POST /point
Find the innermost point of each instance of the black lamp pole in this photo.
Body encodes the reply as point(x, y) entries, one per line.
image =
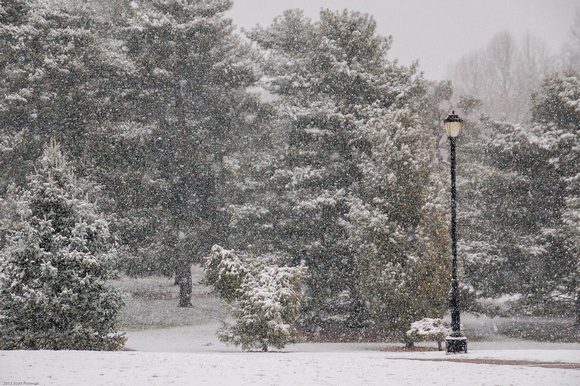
point(456, 342)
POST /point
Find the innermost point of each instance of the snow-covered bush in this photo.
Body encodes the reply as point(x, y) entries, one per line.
point(225, 272)
point(53, 267)
point(427, 329)
point(265, 299)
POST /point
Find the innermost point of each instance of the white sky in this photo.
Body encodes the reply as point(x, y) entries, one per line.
point(437, 32)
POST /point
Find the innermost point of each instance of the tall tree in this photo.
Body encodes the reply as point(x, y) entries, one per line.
point(519, 226)
point(333, 88)
point(54, 265)
point(556, 113)
point(397, 222)
point(190, 89)
point(505, 205)
point(52, 82)
point(571, 49)
point(503, 74)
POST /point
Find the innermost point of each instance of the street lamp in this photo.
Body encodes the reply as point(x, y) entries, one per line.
point(455, 342)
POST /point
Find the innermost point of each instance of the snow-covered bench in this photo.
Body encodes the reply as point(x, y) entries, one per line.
point(427, 329)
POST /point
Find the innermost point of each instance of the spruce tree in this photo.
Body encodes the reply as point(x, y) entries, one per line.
point(53, 267)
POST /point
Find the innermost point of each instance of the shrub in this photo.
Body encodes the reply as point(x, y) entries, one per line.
point(265, 299)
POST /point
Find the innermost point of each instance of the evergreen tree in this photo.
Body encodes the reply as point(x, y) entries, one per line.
point(225, 271)
point(503, 206)
point(335, 92)
point(265, 298)
point(519, 227)
point(190, 92)
point(302, 201)
point(397, 221)
point(63, 75)
point(54, 265)
point(556, 113)
point(53, 82)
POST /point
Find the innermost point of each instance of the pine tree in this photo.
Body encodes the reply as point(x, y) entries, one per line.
point(225, 271)
point(265, 298)
point(335, 92)
point(54, 82)
point(519, 228)
point(503, 206)
point(301, 182)
point(397, 221)
point(53, 267)
point(556, 113)
point(190, 92)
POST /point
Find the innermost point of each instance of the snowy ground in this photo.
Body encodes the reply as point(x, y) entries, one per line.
point(179, 346)
point(202, 338)
point(192, 355)
point(322, 365)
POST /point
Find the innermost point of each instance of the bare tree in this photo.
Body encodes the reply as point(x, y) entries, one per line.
point(502, 74)
point(571, 50)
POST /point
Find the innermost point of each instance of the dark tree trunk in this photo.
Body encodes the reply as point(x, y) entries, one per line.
point(177, 276)
point(185, 282)
point(577, 303)
point(264, 347)
point(183, 271)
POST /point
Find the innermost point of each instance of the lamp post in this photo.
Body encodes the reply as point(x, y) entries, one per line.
point(456, 342)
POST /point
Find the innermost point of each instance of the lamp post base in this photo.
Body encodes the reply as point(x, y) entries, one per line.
point(456, 344)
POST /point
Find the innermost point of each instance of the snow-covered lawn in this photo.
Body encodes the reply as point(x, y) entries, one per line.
point(341, 367)
point(202, 338)
point(192, 355)
point(189, 353)
point(151, 302)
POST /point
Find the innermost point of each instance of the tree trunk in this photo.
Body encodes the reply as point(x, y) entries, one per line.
point(264, 347)
point(577, 311)
point(177, 276)
point(183, 271)
point(185, 282)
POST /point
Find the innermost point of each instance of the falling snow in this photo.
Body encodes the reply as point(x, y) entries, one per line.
point(165, 172)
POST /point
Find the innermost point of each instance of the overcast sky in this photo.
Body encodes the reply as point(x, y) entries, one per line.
point(437, 32)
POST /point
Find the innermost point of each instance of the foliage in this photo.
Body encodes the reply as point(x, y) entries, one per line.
point(186, 102)
point(265, 298)
point(54, 265)
point(556, 112)
point(346, 118)
point(225, 272)
point(52, 82)
point(397, 222)
point(519, 224)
